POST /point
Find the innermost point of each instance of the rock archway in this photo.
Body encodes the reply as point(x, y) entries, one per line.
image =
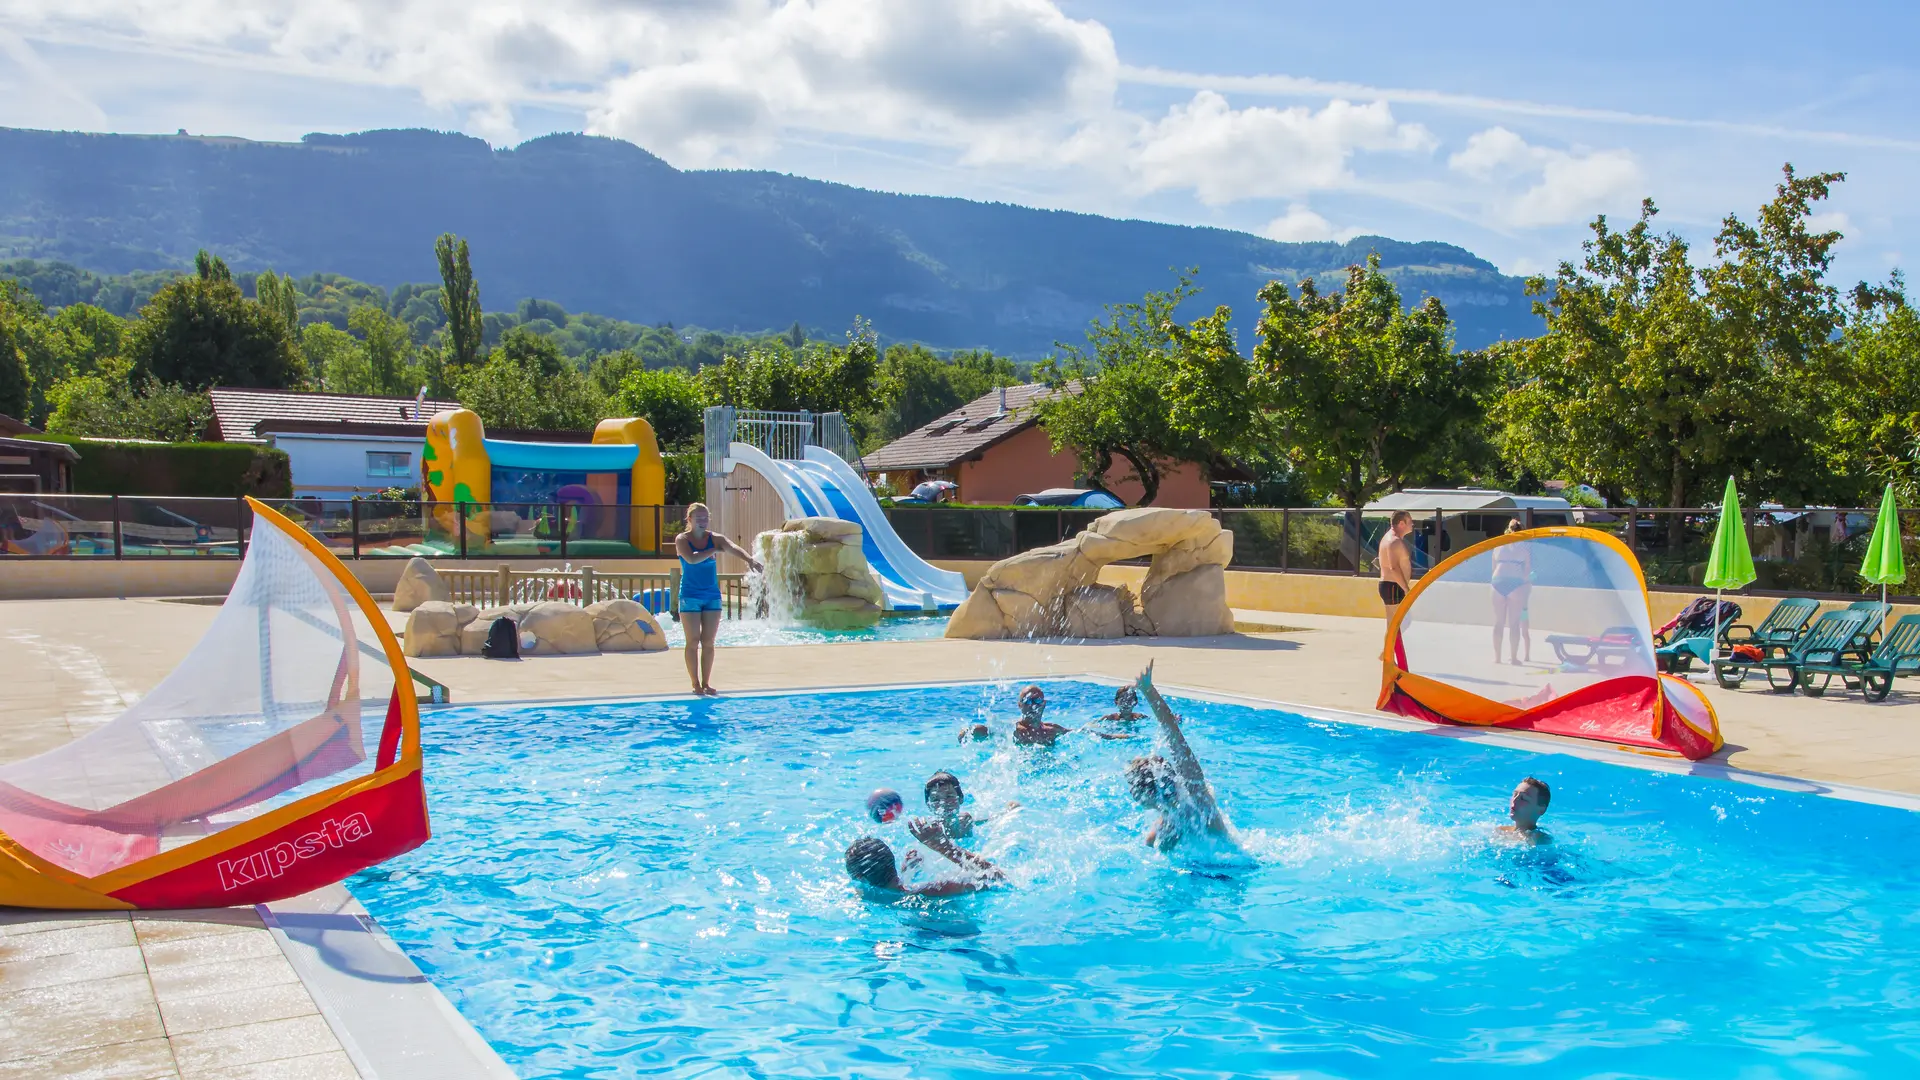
point(1055, 591)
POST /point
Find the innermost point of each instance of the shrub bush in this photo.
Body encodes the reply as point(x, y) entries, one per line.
point(198, 469)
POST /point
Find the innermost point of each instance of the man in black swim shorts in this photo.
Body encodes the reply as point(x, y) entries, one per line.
point(1396, 561)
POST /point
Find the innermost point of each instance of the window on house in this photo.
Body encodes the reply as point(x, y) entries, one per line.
point(383, 464)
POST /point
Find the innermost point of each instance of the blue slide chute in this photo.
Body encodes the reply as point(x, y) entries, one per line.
point(824, 485)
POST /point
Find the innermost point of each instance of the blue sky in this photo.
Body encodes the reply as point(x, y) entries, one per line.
point(1499, 127)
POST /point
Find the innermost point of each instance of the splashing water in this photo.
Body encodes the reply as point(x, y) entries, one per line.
point(774, 594)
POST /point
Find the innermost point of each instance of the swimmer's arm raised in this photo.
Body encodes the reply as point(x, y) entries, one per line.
point(1185, 763)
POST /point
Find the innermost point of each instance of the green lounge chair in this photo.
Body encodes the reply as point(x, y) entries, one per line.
point(1877, 613)
point(1685, 646)
point(1779, 630)
point(1898, 654)
point(1831, 641)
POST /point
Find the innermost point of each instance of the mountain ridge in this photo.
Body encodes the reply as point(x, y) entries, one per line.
point(602, 225)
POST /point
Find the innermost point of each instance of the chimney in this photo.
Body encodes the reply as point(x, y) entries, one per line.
point(1003, 403)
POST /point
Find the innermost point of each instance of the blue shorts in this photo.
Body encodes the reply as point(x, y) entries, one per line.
point(699, 603)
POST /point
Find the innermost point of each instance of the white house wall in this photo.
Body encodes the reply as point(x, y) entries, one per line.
point(335, 466)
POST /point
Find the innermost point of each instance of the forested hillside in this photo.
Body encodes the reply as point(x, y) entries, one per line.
point(600, 225)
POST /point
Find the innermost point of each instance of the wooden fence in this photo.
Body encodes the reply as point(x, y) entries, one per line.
point(506, 585)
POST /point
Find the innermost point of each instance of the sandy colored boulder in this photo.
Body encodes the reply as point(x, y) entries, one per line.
point(473, 633)
point(1193, 604)
point(625, 626)
point(419, 583)
point(433, 628)
point(825, 586)
point(823, 528)
point(558, 630)
point(1055, 592)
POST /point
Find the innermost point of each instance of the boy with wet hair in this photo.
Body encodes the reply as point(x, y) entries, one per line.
point(1123, 715)
point(870, 862)
point(1033, 729)
point(944, 797)
point(1528, 804)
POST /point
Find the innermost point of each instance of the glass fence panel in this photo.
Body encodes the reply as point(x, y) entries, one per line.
point(1673, 544)
point(1322, 540)
point(329, 521)
point(1258, 536)
point(1814, 550)
point(394, 528)
point(56, 526)
point(1075, 522)
point(166, 527)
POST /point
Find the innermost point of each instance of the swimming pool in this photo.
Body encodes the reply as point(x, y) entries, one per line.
point(657, 888)
point(768, 632)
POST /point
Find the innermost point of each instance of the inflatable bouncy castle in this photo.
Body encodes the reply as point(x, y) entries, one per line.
point(1543, 630)
point(611, 488)
point(248, 774)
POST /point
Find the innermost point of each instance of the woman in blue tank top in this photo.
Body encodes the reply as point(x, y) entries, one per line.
point(700, 592)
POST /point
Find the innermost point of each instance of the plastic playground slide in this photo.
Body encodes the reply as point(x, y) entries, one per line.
point(824, 485)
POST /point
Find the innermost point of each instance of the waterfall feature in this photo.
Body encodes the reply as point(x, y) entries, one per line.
point(778, 593)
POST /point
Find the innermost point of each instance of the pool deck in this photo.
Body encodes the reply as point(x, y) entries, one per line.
point(211, 994)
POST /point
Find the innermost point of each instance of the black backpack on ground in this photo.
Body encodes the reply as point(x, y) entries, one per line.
point(503, 640)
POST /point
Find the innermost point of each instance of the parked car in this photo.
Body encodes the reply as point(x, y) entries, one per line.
point(1089, 498)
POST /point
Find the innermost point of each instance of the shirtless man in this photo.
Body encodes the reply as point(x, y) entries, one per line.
point(1396, 562)
point(870, 862)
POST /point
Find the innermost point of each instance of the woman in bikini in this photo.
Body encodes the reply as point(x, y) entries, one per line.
point(1512, 582)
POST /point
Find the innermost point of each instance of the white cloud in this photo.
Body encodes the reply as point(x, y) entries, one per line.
point(1226, 154)
point(33, 94)
point(1301, 224)
point(1561, 186)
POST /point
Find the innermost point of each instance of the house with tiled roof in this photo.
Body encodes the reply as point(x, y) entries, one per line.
point(994, 448)
point(339, 445)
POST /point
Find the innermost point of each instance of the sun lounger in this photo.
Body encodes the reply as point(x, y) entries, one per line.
point(1898, 654)
point(1876, 617)
point(1831, 641)
point(1779, 630)
point(1686, 645)
point(1611, 648)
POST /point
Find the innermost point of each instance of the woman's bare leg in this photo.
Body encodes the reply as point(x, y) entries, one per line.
point(1500, 620)
point(709, 629)
point(690, 628)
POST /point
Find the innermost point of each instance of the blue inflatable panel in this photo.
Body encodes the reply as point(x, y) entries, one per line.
point(562, 457)
point(657, 601)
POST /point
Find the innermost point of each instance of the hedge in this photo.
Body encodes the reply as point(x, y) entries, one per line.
point(203, 469)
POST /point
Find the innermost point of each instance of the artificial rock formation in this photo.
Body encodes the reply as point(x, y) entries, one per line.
point(418, 584)
point(1055, 591)
point(438, 628)
point(816, 571)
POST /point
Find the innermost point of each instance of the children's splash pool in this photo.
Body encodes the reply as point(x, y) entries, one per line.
point(657, 889)
point(770, 632)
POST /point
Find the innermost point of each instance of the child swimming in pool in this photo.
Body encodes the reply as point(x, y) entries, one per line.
point(870, 862)
point(1123, 715)
point(1175, 784)
point(1529, 803)
point(944, 797)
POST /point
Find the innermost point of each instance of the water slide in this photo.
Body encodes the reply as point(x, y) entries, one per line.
point(823, 485)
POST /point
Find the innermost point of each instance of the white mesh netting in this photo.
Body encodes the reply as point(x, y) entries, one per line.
point(1531, 620)
point(266, 707)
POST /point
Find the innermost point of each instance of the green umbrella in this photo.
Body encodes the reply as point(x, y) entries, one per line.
point(1885, 564)
point(1731, 564)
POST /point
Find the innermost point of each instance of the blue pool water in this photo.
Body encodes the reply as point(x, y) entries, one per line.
point(657, 889)
point(766, 632)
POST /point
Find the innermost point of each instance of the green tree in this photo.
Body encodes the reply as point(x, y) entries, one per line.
point(526, 383)
point(670, 400)
point(1365, 391)
point(337, 360)
point(388, 347)
point(1115, 399)
point(820, 378)
point(278, 295)
point(1876, 423)
point(200, 332)
point(211, 267)
point(459, 300)
point(20, 316)
point(1655, 380)
point(106, 404)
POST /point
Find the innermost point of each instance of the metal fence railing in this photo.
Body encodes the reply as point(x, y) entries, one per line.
point(1813, 550)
